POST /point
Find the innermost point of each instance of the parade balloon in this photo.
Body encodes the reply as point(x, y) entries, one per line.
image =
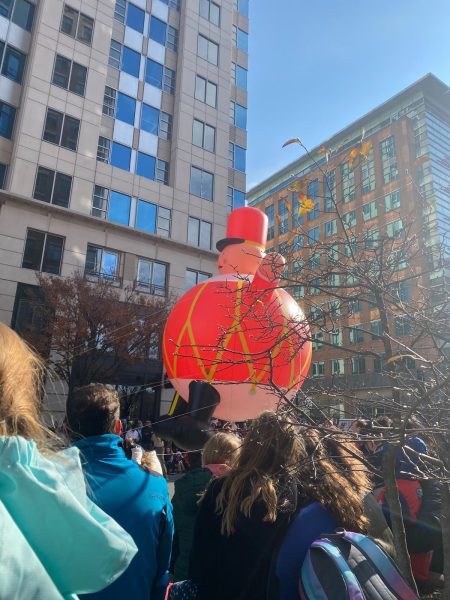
point(239, 331)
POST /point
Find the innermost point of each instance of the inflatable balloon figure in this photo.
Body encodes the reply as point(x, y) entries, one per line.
point(232, 341)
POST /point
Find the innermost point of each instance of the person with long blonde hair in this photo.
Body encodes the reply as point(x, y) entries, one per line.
point(54, 542)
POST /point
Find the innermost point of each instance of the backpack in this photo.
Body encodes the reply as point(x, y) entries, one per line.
point(350, 566)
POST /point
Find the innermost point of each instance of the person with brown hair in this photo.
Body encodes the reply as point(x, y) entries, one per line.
point(244, 513)
point(333, 485)
point(219, 455)
point(137, 500)
point(54, 541)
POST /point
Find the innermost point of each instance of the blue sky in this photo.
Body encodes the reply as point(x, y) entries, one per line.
point(317, 65)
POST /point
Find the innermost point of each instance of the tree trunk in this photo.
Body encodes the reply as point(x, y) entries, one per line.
point(445, 522)
point(395, 510)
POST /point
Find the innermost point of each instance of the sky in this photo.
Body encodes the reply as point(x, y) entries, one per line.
point(316, 66)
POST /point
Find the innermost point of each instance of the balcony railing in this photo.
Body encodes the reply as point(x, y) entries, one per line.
point(150, 288)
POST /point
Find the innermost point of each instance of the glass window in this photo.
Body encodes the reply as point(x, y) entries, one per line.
point(43, 186)
point(115, 54)
point(101, 262)
point(165, 125)
point(154, 73)
point(69, 136)
point(7, 115)
point(77, 25)
point(119, 208)
point(388, 160)
point(135, 18)
point(131, 61)
point(78, 76)
point(158, 30)
point(318, 369)
point(150, 119)
point(62, 189)
point(109, 101)
point(349, 219)
point(164, 221)
point(23, 14)
point(270, 212)
point(356, 335)
point(43, 252)
point(13, 64)
point(146, 165)
point(85, 29)
point(120, 156)
point(100, 201)
point(34, 249)
point(199, 233)
point(103, 149)
point(241, 77)
point(337, 366)
point(208, 50)
point(336, 337)
point(394, 229)
point(69, 21)
point(348, 182)
point(120, 10)
point(368, 174)
point(370, 210)
point(168, 83)
point(146, 216)
point(203, 135)
point(329, 191)
point(313, 194)
point(61, 72)
point(238, 199)
point(195, 277)
point(205, 91)
point(172, 38)
point(53, 126)
point(331, 228)
point(313, 235)
point(202, 184)
point(151, 277)
point(242, 40)
point(3, 170)
point(239, 158)
point(61, 129)
point(162, 171)
point(392, 201)
point(126, 108)
point(358, 365)
point(240, 116)
point(210, 11)
point(243, 7)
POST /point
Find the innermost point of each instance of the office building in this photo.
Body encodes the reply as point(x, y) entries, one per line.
point(122, 143)
point(389, 168)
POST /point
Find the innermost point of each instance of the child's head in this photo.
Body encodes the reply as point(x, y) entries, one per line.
point(221, 449)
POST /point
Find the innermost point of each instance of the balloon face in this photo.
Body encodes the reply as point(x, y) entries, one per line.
point(239, 258)
point(244, 343)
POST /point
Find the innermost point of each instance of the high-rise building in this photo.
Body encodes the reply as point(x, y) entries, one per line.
point(122, 141)
point(389, 168)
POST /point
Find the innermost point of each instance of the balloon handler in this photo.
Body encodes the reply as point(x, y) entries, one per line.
point(232, 341)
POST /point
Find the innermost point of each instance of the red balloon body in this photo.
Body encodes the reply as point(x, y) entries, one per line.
point(245, 343)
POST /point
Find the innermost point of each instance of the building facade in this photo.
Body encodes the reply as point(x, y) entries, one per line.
point(122, 141)
point(389, 175)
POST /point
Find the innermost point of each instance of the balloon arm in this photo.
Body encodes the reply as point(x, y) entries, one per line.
point(269, 273)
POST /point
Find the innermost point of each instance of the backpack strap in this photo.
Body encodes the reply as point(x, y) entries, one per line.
point(382, 562)
point(311, 584)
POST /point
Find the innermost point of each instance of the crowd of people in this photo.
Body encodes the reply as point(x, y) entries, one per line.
point(94, 518)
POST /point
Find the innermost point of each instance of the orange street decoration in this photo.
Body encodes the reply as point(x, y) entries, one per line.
point(238, 330)
point(305, 204)
point(366, 147)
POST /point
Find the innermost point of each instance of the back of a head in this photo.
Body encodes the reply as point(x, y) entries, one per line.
point(92, 410)
point(221, 449)
point(21, 376)
point(272, 445)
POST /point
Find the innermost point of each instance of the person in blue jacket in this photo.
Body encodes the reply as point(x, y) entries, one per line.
point(137, 500)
